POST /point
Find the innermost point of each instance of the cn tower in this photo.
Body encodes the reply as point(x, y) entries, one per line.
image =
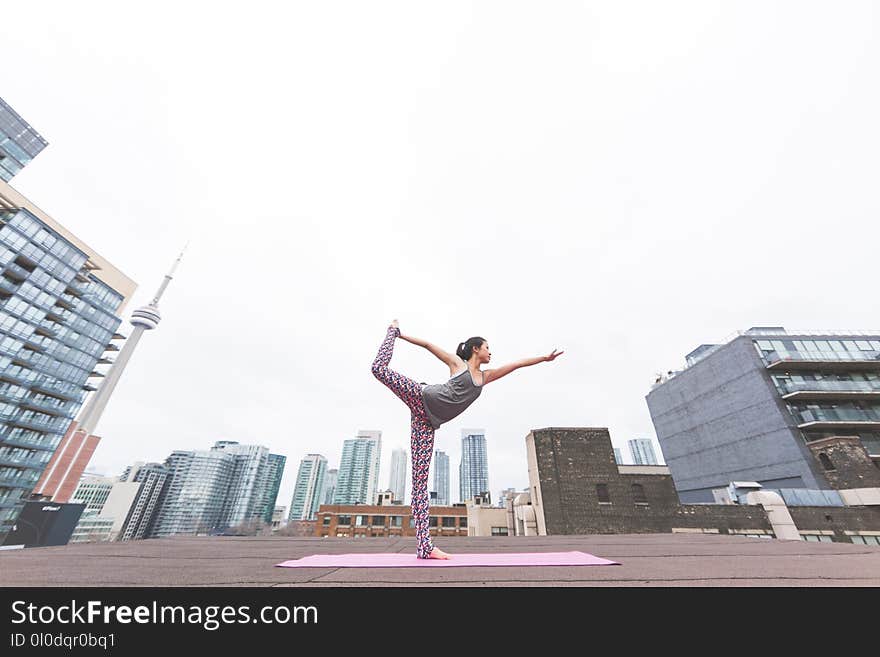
point(61, 476)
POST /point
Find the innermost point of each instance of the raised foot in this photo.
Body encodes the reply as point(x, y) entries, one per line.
point(437, 553)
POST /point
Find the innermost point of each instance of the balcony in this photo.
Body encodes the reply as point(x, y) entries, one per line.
point(73, 290)
point(819, 390)
point(59, 315)
point(28, 462)
point(19, 376)
point(30, 443)
point(16, 272)
point(65, 301)
point(831, 361)
point(17, 482)
point(7, 285)
point(38, 343)
point(68, 392)
point(49, 426)
point(851, 419)
point(45, 406)
point(47, 329)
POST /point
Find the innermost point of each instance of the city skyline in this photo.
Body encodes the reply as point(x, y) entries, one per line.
point(642, 175)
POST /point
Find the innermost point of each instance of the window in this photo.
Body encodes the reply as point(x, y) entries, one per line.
point(396, 521)
point(326, 520)
point(344, 520)
point(432, 521)
point(602, 493)
point(816, 538)
point(866, 540)
point(378, 521)
point(638, 492)
point(412, 522)
point(449, 522)
point(826, 462)
point(359, 521)
point(499, 531)
point(462, 522)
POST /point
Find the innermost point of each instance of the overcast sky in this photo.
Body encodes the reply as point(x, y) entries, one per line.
point(621, 180)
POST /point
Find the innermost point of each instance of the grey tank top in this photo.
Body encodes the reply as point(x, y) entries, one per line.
point(445, 401)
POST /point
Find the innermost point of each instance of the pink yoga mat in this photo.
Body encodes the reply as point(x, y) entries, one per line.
point(409, 560)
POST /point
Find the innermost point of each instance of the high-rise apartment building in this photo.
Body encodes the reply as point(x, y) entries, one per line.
point(642, 451)
point(59, 314)
point(19, 143)
point(359, 469)
point(473, 472)
point(765, 406)
point(246, 501)
point(93, 491)
point(329, 490)
point(441, 477)
point(144, 510)
point(397, 480)
point(273, 484)
point(307, 491)
point(198, 486)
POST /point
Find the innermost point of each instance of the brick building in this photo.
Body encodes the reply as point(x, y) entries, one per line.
point(577, 487)
point(366, 521)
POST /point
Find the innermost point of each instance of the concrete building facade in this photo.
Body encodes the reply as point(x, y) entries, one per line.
point(751, 408)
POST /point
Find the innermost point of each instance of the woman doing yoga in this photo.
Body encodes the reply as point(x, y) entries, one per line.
point(433, 405)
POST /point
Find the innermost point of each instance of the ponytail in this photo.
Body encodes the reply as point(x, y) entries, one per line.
point(466, 349)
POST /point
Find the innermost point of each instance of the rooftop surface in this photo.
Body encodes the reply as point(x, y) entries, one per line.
point(646, 560)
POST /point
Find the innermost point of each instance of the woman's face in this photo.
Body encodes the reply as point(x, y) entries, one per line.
point(483, 354)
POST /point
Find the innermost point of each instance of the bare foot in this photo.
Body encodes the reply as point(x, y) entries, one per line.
point(437, 553)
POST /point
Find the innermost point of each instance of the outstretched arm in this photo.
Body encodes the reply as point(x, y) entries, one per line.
point(492, 375)
point(449, 359)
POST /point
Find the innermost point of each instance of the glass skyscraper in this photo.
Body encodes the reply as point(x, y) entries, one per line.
point(57, 320)
point(59, 313)
point(473, 473)
point(441, 477)
point(273, 483)
point(359, 470)
point(210, 490)
point(642, 451)
point(329, 490)
point(397, 482)
point(19, 143)
point(307, 491)
point(195, 500)
point(247, 495)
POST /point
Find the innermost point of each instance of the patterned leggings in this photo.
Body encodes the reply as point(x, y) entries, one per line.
point(421, 441)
